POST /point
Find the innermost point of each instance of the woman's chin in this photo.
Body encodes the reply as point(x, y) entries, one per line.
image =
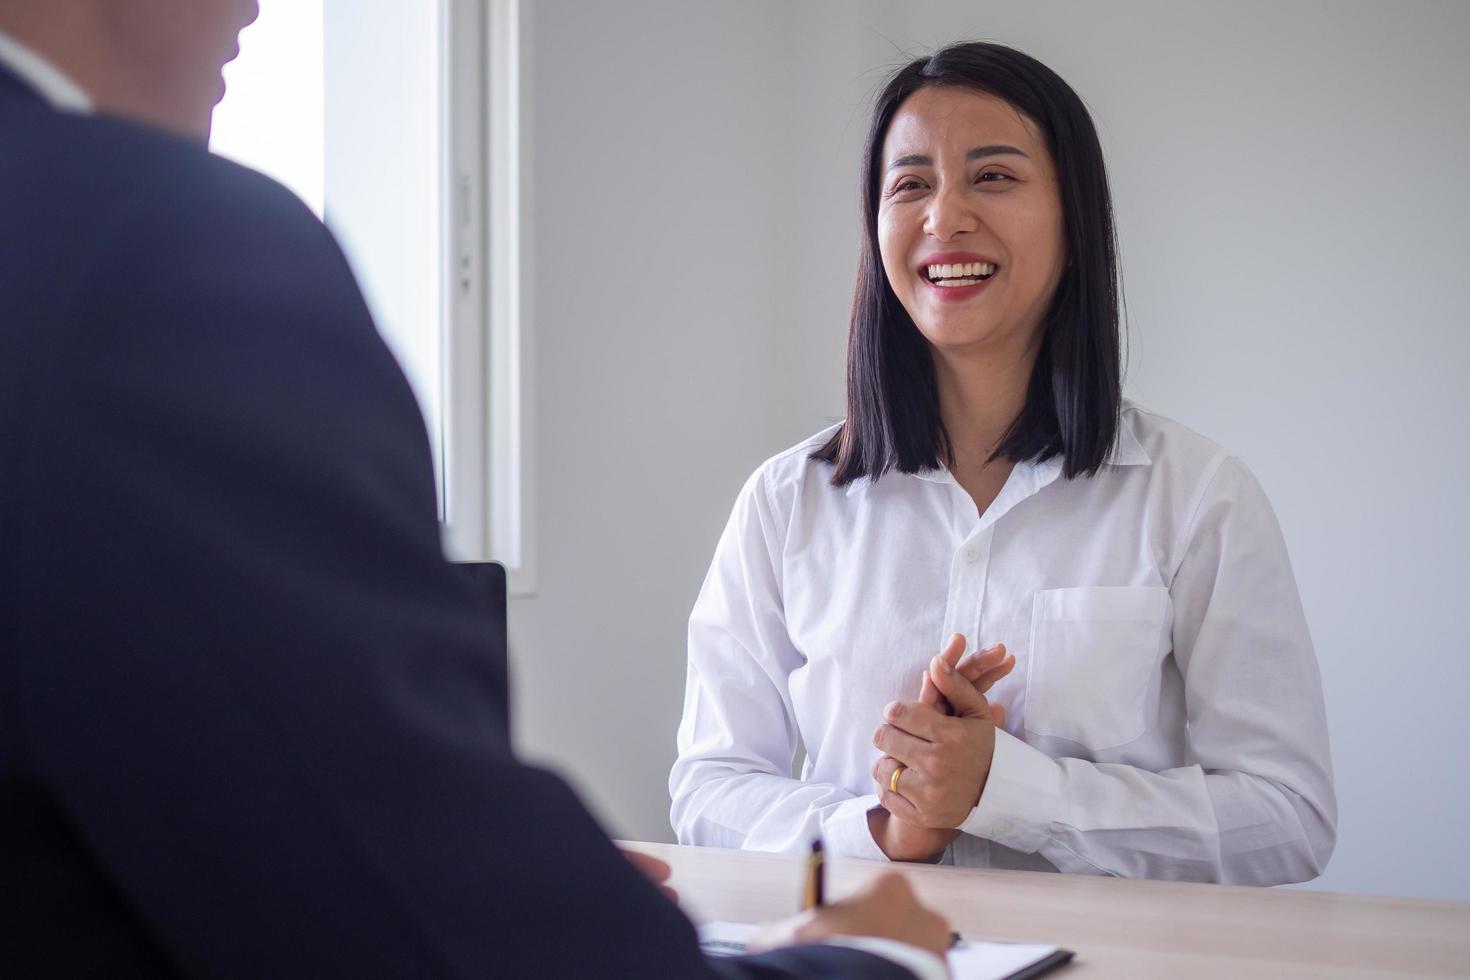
point(948, 336)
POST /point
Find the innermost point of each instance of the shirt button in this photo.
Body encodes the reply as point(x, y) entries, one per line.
point(972, 556)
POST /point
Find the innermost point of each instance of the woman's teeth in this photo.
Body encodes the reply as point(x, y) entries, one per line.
point(960, 274)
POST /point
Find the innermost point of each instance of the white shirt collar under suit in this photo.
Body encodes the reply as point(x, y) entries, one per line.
point(49, 81)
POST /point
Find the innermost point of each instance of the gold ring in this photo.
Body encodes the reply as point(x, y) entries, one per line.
point(893, 783)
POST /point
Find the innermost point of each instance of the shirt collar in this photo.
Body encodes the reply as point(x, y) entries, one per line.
point(1126, 451)
point(40, 74)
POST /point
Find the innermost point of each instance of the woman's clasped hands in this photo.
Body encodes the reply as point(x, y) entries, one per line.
point(941, 747)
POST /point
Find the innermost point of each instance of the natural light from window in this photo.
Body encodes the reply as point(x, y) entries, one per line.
point(340, 101)
point(365, 108)
point(272, 117)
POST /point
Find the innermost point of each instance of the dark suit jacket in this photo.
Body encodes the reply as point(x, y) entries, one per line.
point(248, 724)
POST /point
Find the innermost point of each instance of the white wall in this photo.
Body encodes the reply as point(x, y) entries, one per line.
point(655, 188)
point(1289, 182)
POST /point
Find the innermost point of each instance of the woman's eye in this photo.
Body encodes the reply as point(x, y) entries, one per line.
point(992, 177)
point(908, 184)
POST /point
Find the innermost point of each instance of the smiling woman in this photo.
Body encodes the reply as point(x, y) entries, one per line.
point(944, 158)
point(1126, 684)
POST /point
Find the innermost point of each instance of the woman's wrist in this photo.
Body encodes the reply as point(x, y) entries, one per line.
point(907, 842)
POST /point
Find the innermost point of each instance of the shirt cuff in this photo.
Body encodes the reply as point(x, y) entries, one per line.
point(920, 962)
point(1022, 798)
point(845, 831)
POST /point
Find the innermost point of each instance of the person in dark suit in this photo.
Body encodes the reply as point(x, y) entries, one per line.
point(248, 722)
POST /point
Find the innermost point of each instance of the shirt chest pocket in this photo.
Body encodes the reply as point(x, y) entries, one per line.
point(1094, 652)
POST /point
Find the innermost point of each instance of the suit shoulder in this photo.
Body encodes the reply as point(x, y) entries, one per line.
point(137, 188)
point(149, 250)
point(102, 156)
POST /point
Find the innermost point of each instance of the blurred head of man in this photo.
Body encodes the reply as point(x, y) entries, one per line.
point(159, 61)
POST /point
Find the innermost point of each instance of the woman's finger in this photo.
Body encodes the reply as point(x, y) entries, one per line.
point(988, 679)
point(914, 785)
point(900, 745)
point(968, 702)
point(883, 769)
point(925, 721)
point(896, 803)
point(899, 807)
point(998, 713)
point(981, 658)
point(975, 664)
point(929, 694)
point(953, 651)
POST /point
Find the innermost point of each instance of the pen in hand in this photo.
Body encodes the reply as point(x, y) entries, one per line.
point(812, 895)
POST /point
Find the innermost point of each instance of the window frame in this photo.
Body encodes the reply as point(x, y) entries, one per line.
point(487, 499)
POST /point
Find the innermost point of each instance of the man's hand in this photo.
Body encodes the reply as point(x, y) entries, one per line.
point(655, 871)
point(946, 758)
point(886, 908)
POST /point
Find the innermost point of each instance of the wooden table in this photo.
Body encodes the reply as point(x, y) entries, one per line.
point(1117, 927)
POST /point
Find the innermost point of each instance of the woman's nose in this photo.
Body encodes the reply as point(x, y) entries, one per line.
point(950, 214)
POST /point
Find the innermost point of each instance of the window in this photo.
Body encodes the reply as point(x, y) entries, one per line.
point(399, 125)
point(271, 117)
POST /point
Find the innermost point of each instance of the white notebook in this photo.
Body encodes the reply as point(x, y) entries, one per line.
point(967, 960)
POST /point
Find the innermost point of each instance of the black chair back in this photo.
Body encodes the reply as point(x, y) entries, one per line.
point(487, 578)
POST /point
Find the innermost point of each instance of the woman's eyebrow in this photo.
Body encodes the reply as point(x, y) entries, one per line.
point(920, 160)
point(995, 149)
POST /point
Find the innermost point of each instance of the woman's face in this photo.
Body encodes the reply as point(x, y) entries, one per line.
point(970, 220)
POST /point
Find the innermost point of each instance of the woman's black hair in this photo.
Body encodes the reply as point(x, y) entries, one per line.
point(1075, 393)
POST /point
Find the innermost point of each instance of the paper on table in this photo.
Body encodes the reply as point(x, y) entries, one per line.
point(967, 961)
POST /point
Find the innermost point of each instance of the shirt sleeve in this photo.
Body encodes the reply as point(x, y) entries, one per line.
point(920, 962)
point(1255, 804)
point(731, 784)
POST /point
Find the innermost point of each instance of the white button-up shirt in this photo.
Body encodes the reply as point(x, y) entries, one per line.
point(1165, 716)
